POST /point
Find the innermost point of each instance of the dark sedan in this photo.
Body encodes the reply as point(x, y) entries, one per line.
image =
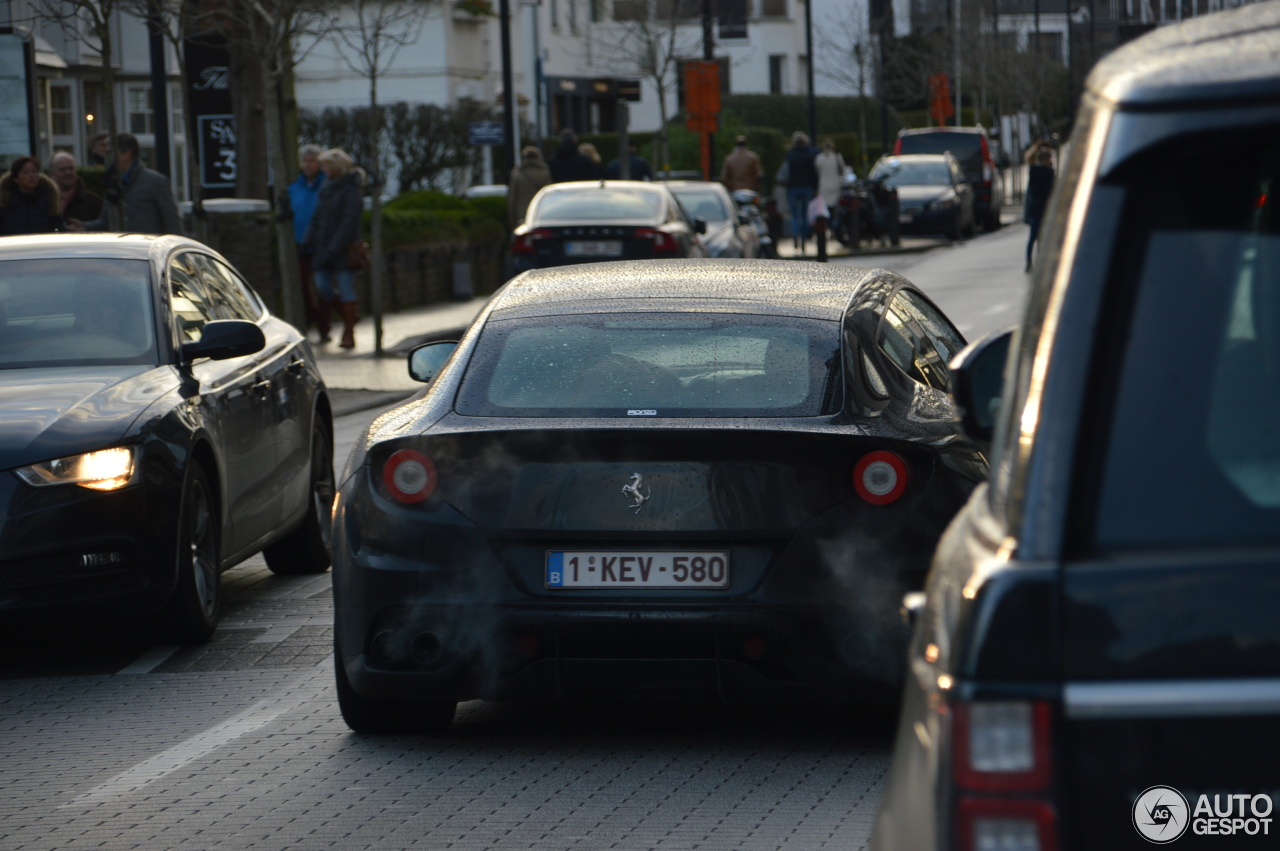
point(1096, 661)
point(730, 233)
point(157, 426)
point(591, 221)
point(933, 196)
point(655, 480)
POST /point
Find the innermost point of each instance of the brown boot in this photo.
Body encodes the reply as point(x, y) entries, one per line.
point(324, 309)
point(348, 325)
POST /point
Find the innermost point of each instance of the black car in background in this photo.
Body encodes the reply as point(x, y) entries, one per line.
point(730, 232)
point(157, 426)
point(659, 480)
point(972, 149)
point(1096, 662)
point(933, 197)
point(591, 221)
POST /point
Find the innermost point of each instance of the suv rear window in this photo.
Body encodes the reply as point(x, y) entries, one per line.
point(668, 365)
point(965, 147)
point(1194, 451)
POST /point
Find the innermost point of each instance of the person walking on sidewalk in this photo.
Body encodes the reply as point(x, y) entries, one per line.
point(142, 197)
point(741, 169)
point(304, 192)
point(568, 163)
point(28, 200)
point(335, 225)
point(77, 201)
point(526, 179)
point(802, 180)
point(1039, 186)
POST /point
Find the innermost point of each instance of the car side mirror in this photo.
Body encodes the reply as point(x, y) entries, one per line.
point(976, 384)
point(225, 338)
point(699, 226)
point(426, 361)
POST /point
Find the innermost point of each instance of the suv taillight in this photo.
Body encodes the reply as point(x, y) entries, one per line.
point(524, 244)
point(1001, 766)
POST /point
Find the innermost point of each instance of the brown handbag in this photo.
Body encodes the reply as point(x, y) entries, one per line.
point(358, 257)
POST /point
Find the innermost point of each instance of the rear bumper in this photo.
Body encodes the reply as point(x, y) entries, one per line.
point(565, 654)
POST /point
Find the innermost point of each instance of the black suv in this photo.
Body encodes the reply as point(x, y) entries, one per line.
point(972, 149)
point(1096, 661)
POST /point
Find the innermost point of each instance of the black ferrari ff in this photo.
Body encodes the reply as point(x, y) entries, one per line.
point(157, 426)
point(657, 480)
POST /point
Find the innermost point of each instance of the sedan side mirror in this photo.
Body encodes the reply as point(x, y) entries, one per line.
point(699, 226)
point(426, 361)
point(225, 338)
point(977, 381)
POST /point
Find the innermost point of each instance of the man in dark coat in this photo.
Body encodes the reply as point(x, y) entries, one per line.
point(639, 168)
point(569, 163)
point(77, 202)
point(146, 195)
point(1039, 187)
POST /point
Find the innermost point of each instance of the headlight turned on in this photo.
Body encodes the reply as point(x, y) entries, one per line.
point(104, 470)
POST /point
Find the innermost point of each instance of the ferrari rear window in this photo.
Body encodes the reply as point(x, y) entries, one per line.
point(665, 365)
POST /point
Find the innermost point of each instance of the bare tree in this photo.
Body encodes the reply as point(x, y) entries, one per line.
point(846, 54)
point(648, 38)
point(273, 31)
point(89, 21)
point(368, 41)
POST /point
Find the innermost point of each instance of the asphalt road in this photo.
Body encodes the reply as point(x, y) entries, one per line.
point(110, 742)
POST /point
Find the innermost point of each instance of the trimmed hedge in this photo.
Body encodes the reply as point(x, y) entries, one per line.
point(429, 217)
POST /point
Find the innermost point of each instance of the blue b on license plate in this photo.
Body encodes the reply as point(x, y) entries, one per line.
point(637, 569)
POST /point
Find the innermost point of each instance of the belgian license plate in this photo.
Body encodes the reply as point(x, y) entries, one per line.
point(637, 569)
point(598, 248)
point(906, 218)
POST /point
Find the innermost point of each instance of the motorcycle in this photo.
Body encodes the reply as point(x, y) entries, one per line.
point(748, 204)
point(868, 209)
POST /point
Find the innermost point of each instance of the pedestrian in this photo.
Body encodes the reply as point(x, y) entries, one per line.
point(741, 169)
point(639, 167)
point(589, 151)
point(1039, 186)
point(568, 163)
point(146, 196)
point(77, 202)
point(303, 194)
point(526, 179)
point(802, 180)
point(830, 167)
point(99, 149)
point(28, 200)
point(335, 225)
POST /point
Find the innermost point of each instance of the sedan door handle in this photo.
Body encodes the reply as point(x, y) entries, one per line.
point(263, 386)
point(297, 367)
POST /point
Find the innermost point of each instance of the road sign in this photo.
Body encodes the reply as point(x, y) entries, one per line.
point(485, 133)
point(940, 98)
point(702, 96)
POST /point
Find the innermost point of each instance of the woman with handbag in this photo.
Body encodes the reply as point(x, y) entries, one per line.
point(334, 240)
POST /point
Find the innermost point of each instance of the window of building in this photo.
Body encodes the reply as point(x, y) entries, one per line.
point(678, 10)
point(555, 14)
point(596, 10)
point(777, 69)
point(1048, 45)
point(773, 8)
point(138, 106)
point(630, 10)
point(61, 113)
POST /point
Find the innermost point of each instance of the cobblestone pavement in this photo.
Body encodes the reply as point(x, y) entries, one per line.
point(109, 742)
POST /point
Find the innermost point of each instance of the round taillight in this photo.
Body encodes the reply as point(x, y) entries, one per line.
point(409, 476)
point(880, 477)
